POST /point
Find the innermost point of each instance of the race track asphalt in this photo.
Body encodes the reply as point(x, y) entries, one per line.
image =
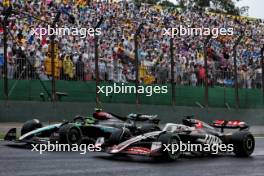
point(18, 161)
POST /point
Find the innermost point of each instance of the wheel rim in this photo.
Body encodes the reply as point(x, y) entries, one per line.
point(249, 144)
point(74, 136)
point(176, 154)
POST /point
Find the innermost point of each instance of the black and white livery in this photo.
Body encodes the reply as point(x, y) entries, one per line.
point(191, 131)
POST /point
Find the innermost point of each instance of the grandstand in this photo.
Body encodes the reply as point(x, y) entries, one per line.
point(29, 55)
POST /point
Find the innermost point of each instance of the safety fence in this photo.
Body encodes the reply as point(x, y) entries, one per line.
point(81, 91)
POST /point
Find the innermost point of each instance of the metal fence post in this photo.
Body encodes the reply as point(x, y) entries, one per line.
point(235, 71)
point(96, 64)
point(262, 70)
point(53, 82)
point(136, 61)
point(235, 78)
point(96, 70)
point(172, 72)
point(7, 12)
point(206, 96)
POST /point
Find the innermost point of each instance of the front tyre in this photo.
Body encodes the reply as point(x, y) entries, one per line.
point(244, 143)
point(118, 136)
point(30, 126)
point(70, 134)
point(169, 139)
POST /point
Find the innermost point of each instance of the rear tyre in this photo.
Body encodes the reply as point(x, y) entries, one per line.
point(30, 126)
point(244, 143)
point(69, 134)
point(166, 139)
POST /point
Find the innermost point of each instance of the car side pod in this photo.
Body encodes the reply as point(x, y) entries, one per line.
point(10, 135)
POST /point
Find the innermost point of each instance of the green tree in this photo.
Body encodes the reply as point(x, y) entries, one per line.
point(167, 4)
point(138, 2)
point(221, 6)
point(226, 6)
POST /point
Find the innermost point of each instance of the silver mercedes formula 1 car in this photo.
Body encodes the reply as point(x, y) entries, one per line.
point(162, 144)
point(81, 129)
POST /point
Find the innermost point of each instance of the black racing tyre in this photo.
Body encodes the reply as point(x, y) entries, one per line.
point(149, 128)
point(30, 126)
point(165, 139)
point(70, 134)
point(119, 136)
point(115, 137)
point(244, 143)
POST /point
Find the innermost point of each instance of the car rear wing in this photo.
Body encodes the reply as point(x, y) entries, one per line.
point(230, 124)
point(144, 118)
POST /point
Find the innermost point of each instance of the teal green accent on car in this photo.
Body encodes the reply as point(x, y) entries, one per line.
point(107, 128)
point(77, 125)
point(39, 130)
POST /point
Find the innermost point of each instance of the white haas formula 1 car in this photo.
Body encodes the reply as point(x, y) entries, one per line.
point(159, 144)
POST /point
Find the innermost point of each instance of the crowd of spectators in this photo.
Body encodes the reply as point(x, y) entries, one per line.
point(29, 54)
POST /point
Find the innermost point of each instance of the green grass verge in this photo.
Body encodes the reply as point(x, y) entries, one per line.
point(258, 135)
point(2, 135)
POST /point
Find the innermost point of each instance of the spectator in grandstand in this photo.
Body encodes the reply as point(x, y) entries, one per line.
point(193, 79)
point(10, 68)
point(258, 75)
point(201, 75)
point(102, 68)
point(110, 70)
point(48, 66)
point(68, 67)
point(79, 69)
point(119, 72)
point(249, 77)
